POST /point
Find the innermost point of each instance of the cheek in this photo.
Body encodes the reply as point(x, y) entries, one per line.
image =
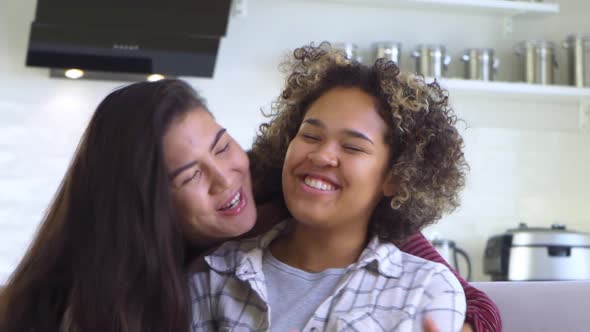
point(190, 205)
point(244, 163)
point(295, 153)
point(239, 160)
point(288, 163)
point(286, 170)
point(366, 172)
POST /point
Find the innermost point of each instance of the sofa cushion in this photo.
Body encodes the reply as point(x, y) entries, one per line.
point(548, 306)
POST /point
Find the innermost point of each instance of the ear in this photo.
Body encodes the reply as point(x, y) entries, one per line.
point(390, 185)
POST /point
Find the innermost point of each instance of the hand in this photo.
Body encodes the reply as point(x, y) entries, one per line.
point(467, 328)
point(429, 325)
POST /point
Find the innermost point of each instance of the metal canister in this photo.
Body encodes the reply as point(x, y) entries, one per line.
point(538, 61)
point(578, 51)
point(391, 51)
point(431, 60)
point(351, 50)
point(480, 64)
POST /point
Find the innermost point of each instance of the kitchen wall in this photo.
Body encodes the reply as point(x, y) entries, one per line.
point(529, 162)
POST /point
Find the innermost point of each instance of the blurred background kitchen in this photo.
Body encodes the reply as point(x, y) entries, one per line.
point(528, 144)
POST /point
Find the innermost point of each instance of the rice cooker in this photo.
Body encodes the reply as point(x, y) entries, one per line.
point(531, 253)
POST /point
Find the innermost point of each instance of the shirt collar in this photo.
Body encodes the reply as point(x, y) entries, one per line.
point(385, 256)
point(244, 258)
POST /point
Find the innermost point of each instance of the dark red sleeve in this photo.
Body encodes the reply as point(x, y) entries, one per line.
point(481, 313)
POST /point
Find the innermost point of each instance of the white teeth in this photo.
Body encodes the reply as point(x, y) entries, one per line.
point(318, 184)
point(233, 202)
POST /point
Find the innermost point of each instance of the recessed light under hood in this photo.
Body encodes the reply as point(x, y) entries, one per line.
point(114, 39)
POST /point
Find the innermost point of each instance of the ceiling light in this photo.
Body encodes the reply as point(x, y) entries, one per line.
point(74, 73)
point(155, 77)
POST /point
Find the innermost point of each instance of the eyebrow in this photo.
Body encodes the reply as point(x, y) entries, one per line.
point(181, 169)
point(349, 132)
point(217, 138)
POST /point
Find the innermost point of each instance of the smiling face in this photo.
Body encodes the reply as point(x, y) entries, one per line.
point(210, 178)
point(335, 168)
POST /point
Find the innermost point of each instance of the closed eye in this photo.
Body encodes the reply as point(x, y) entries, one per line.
point(352, 148)
point(309, 137)
point(195, 176)
point(223, 149)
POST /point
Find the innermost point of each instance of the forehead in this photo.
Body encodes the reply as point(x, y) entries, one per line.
point(192, 132)
point(347, 108)
point(196, 118)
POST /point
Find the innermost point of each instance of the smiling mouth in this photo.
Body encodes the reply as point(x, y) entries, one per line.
point(233, 203)
point(318, 184)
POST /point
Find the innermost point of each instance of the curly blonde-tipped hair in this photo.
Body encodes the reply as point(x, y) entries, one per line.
point(426, 151)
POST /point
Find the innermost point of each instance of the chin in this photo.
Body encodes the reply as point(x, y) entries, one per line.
point(249, 218)
point(309, 218)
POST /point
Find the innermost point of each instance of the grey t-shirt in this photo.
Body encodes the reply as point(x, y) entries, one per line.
point(293, 294)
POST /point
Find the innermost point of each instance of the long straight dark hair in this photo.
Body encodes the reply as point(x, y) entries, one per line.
point(109, 255)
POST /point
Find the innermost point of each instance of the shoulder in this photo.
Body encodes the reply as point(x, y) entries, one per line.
point(390, 255)
point(408, 269)
point(200, 264)
point(428, 274)
point(410, 262)
point(432, 286)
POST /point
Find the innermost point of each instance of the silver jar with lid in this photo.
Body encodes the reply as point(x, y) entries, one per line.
point(351, 50)
point(480, 64)
point(537, 60)
point(578, 55)
point(431, 60)
point(390, 51)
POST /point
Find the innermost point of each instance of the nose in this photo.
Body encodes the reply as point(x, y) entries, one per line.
point(324, 156)
point(220, 179)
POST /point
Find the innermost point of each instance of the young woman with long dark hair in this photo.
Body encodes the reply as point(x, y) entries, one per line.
point(152, 173)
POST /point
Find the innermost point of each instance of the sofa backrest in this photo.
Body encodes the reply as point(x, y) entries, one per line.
point(548, 306)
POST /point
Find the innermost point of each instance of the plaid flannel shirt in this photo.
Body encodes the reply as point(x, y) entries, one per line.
point(385, 290)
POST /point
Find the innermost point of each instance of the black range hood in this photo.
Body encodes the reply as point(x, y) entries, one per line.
point(128, 37)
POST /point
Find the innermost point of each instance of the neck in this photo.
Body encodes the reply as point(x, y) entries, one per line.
point(315, 249)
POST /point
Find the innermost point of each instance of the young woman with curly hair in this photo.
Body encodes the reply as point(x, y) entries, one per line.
point(362, 157)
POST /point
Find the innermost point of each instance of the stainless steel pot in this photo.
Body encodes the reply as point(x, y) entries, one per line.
point(537, 60)
point(351, 50)
point(390, 51)
point(535, 253)
point(480, 64)
point(431, 60)
point(578, 51)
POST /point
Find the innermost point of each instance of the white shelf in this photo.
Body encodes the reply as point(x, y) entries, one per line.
point(567, 96)
point(516, 89)
point(502, 7)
